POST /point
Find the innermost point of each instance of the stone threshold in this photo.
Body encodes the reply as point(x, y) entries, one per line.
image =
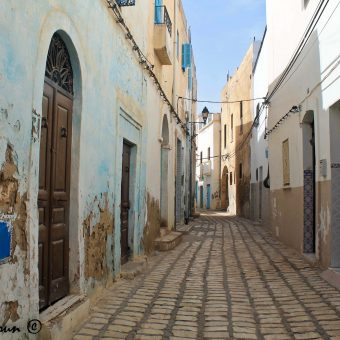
point(311, 259)
point(169, 241)
point(61, 320)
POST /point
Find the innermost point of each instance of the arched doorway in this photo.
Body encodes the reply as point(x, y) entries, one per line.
point(164, 172)
point(309, 182)
point(54, 174)
point(225, 189)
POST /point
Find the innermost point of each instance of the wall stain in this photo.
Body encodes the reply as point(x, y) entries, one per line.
point(96, 242)
point(152, 227)
point(10, 311)
point(8, 184)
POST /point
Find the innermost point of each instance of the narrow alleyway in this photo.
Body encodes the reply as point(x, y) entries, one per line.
point(228, 279)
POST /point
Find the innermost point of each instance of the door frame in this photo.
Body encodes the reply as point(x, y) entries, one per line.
point(130, 131)
point(61, 24)
point(55, 290)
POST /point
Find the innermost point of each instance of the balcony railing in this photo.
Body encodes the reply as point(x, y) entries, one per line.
point(162, 17)
point(126, 2)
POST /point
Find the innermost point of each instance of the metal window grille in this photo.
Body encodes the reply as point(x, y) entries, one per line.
point(162, 17)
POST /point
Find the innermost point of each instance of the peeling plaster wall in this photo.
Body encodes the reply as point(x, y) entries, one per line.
point(152, 227)
point(108, 80)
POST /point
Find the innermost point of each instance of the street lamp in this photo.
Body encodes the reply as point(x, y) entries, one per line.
point(205, 114)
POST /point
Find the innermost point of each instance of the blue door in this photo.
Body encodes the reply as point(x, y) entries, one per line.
point(208, 196)
point(158, 11)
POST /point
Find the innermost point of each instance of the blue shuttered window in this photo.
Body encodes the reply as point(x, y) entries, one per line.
point(186, 56)
point(158, 11)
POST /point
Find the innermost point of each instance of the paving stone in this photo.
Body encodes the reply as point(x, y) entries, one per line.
point(228, 279)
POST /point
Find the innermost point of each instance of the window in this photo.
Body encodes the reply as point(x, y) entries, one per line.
point(257, 174)
point(186, 56)
point(209, 154)
point(158, 12)
point(225, 135)
point(240, 170)
point(201, 157)
point(231, 178)
point(241, 118)
point(231, 128)
point(285, 162)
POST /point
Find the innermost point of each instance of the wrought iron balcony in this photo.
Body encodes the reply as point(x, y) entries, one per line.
point(126, 2)
point(162, 17)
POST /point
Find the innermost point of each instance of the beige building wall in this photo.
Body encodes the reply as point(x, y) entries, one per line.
point(165, 52)
point(236, 122)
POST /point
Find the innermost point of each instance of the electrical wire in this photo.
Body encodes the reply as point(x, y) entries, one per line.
point(310, 47)
point(148, 66)
point(228, 156)
point(308, 32)
point(222, 102)
point(295, 109)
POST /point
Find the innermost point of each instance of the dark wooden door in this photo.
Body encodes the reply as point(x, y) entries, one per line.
point(125, 203)
point(54, 193)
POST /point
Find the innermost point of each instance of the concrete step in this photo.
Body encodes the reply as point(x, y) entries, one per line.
point(60, 321)
point(169, 241)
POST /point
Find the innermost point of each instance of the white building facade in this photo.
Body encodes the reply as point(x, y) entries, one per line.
point(208, 164)
point(304, 125)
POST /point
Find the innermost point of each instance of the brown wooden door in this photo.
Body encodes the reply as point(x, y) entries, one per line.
point(54, 192)
point(125, 203)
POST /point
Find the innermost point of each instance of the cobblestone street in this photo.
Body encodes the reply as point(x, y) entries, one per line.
point(228, 279)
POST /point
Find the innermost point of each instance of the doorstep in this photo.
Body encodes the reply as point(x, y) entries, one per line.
point(60, 321)
point(311, 259)
point(332, 276)
point(169, 241)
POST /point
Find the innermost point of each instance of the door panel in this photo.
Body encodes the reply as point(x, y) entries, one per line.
point(125, 203)
point(44, 193)
point(60, 184)
point(53, 197)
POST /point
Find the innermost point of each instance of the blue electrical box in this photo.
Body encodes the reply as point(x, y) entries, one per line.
point(5, 240)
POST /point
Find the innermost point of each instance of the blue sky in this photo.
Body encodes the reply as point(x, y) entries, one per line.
point(222, 31)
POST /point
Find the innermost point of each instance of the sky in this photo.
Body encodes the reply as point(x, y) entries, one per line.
point(221, 32)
